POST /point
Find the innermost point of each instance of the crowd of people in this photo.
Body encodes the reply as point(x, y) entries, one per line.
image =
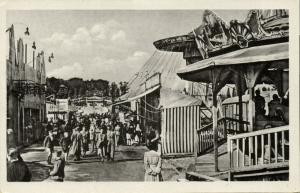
point(91, 133)
point(96, 134)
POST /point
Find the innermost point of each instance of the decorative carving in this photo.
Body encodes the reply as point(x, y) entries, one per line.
point(240, 33)
point(268, 23)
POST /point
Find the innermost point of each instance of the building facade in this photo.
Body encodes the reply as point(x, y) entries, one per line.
point(26, 78)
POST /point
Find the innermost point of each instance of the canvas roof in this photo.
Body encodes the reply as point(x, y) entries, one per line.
point(165, 63)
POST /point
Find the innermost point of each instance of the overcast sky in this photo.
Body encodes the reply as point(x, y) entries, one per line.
point(106, 44)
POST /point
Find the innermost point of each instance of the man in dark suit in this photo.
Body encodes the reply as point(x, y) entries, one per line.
point(17, 170)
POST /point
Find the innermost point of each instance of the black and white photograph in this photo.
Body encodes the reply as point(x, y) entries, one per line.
point(148, 95)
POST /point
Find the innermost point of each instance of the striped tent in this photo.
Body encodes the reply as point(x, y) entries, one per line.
point(174, 95)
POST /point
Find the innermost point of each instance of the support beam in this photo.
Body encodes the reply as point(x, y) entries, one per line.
point(215, 129)
point(219, 78)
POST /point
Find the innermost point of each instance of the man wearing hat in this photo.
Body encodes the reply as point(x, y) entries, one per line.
point(17, 170)
point(49, 145)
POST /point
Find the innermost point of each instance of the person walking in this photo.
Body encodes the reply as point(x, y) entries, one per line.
point(65, 144)
point(92, 137)
point(117, 133)
point(85, 142)
point(110, 143)
point(17, 170)
point(101, 141)
point(76, 142)
point(58, 172)
point(152, 164)
point(49, 146)
point(138, 132)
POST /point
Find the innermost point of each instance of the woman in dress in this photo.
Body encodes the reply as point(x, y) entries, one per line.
point(76, 140)
point(65, 143)
point(85, 141)
point(152, 164)
point(117, 134)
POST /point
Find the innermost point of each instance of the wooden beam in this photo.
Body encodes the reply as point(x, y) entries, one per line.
point(201, 176)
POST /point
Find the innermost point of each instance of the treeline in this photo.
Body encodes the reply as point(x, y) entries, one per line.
point(77, 87)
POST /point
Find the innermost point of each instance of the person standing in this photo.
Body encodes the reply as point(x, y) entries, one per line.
point(101, 141)
point(17, 170)
point(117, 133)
point(49, 145)
point(152, 164)
point(259, 103)
point(58, 172)
point(76, 142)
point(92, 137)
point(85, 144)
point(138, 132)
point(65, 143)
point(110, 143)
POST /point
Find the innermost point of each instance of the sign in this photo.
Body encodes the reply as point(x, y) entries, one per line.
point(62, 104)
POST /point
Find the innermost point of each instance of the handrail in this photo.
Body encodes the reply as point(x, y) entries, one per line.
point(236, 120)
point(260, 132)
point(224, 118)
point(268, 146)
point(209, 125)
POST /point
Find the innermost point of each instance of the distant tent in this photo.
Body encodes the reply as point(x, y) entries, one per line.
point(166, 64)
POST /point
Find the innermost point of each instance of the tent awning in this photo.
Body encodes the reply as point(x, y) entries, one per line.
point(139, 96)
point(144, 93)
point(273, 52)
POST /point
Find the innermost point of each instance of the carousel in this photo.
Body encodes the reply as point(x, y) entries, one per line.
point(247, 54)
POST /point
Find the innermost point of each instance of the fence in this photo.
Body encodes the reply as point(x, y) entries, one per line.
point(268, 146)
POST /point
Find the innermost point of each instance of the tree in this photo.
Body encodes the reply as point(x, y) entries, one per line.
point(123, 87)
point(114, 91)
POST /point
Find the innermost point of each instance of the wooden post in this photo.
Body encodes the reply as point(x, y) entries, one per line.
point(18, 121)
point(195, 132)
point(23, 123)
point(33, 59)
point(240, 96)
point(25, 54)
point(137, 110)
point(251, 109)
point(215, 129)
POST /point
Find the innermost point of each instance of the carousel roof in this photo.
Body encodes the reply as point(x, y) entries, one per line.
point(215, 37)
point(265, 53)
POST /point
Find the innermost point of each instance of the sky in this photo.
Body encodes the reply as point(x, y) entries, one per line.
point(104, 44)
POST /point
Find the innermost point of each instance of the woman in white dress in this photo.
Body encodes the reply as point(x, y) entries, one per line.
point(152, 164)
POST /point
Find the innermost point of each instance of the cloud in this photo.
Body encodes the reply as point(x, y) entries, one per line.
point(102, 50)
point(111, 69)
point(67, 72)
point(104, 38)
point(120, 35)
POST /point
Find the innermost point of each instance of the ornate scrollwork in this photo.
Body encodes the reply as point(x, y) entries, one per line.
point(241, 34)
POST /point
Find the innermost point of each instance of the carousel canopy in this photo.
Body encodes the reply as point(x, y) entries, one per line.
point(266, 53)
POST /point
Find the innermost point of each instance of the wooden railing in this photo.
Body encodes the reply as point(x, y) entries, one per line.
point(235, 126)
point(225, 126)
point(268, 146)
point(206, 135)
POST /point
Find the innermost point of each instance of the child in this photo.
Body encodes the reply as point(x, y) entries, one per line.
point(58, 172)
point(65, 144)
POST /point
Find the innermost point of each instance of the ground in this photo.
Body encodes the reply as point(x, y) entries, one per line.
point(127, 166)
